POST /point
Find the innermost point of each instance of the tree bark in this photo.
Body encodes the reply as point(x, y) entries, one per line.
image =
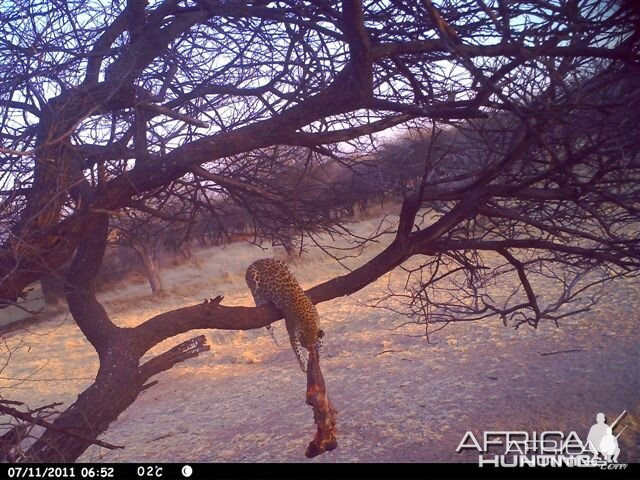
point(94, 410)
point(120, 377)
point(117, 383)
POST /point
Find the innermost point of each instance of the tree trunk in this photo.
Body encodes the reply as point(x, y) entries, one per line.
point(90, 414)
point(120, 378)
point(53, 290)
point(185, 250)
point(151, 268)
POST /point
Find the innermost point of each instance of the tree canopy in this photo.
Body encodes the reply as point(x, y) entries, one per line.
point(520, 118)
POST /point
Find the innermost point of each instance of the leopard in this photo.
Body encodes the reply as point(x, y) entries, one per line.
point(270, 280)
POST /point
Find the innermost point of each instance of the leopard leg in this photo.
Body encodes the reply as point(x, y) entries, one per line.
point(319, 345)
point(297, 349)
point(271, 330)
point(259, 300)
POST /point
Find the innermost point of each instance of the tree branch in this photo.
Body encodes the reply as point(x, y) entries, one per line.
point(390, 49)
point(185, 350)
point(43, 423)
point(234, 184)
point(522, 275)
point(173, 114)
point(88, 313)
point(626, 258)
